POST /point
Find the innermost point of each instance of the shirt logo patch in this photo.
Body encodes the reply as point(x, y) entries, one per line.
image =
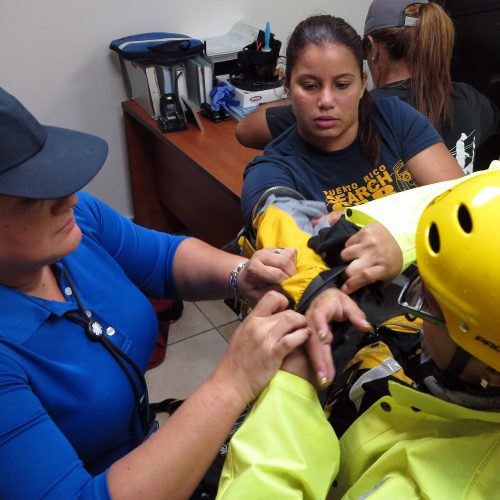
point(376, 184)
point(464, 151)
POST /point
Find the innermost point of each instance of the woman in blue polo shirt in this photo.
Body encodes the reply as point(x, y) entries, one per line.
point(77, 330)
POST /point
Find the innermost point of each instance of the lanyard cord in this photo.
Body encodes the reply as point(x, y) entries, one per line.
point(95, 333)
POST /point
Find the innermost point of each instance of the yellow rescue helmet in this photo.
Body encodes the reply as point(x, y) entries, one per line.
point(458, 256)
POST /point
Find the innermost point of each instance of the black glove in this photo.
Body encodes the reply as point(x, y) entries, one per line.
point(330, 241)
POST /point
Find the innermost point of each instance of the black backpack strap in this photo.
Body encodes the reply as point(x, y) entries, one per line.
point(326, 279)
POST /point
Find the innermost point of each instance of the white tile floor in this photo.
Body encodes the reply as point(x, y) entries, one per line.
point(196, 343)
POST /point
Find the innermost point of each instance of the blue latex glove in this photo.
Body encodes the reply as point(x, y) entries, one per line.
point(223, 95)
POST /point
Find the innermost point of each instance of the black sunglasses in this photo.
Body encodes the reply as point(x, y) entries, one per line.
point(412, 301)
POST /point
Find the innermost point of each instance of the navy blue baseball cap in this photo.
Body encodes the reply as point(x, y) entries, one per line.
point(42, 162)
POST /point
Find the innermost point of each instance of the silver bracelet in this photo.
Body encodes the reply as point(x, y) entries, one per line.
point(233, 280)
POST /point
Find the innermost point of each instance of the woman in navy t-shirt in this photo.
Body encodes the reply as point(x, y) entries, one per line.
point(344, 149)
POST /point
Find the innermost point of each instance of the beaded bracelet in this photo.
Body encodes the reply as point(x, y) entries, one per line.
point(233, 280)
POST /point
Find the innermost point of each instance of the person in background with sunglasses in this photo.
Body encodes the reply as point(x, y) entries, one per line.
point(422, 398)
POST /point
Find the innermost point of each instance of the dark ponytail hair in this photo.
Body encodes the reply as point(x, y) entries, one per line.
point(427, 50)
point(324, 29)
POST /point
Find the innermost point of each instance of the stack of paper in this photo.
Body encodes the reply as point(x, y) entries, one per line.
point(226, 47)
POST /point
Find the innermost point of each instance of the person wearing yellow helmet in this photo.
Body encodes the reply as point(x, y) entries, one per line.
point(457, 247)
point(406, 417)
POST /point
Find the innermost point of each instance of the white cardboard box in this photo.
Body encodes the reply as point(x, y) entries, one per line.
point(249, 98)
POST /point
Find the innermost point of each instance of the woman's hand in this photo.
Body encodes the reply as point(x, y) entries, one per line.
point(332, 305)
point(373, 254)
point(259, 346)
point(201, 272)
point(265, 271)
point(196, 431)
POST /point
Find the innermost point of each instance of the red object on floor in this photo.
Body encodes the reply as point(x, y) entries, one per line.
point(167, 310)
point(161, 345)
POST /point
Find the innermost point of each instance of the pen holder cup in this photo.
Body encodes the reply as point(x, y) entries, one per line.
point(256, 69)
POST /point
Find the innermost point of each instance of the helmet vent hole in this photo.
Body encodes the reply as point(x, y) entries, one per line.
point(464, 219)
point(434, 241)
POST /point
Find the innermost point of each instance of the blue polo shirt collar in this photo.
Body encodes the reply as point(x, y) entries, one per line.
point(22, 315)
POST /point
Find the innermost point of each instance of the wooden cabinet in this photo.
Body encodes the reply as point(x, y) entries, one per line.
point(186, 181)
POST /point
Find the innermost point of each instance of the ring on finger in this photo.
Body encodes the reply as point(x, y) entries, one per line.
point(322, 335)
point(278, 250)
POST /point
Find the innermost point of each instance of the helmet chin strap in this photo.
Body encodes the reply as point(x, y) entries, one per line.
point(457, 362)
point(449, 376)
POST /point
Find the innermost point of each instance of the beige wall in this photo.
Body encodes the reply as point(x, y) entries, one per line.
point(54, 57)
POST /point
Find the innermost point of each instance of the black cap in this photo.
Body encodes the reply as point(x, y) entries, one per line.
point(38, 161)
point(389, 14)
